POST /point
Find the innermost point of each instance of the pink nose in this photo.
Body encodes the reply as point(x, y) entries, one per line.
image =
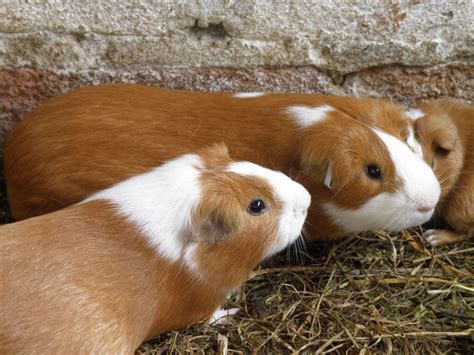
point(425, 209)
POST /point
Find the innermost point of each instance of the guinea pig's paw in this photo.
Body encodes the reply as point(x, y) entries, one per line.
point(220, 316)
point(437, 237)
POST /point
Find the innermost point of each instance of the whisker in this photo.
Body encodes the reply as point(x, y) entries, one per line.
point(395, 219)
point(314, 227)
point(447, 178)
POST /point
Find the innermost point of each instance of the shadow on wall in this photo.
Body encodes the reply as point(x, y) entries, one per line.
point(4, 209)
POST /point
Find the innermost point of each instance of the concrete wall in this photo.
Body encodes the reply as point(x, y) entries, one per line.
point(401, 50)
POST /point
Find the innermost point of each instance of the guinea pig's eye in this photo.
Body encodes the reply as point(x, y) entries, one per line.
point(373, 171)
point(256, 206)
point(441, 152)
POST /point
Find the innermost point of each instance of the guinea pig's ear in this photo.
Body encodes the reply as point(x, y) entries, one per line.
point(444, 141)
point(319, 164)
point(215, 155)
point(328, 178)
point(216, 224)
point(438, 130)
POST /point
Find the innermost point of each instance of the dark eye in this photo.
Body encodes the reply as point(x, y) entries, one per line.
point(374, 172)
point(257, 206)
point(441, 152)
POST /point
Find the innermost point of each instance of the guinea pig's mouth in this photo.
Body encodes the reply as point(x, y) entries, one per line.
point(289, 232)
point(424, 215)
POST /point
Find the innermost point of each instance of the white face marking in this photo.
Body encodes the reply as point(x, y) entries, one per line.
point(413, 143)
point(385, 211)
point(419, 182)
point(160, 202)
point(306, 116)
point(414, 114)
point(293, 196)
point(246, 95)
point(412, 205)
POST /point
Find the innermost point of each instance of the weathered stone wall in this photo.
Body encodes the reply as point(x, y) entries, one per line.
point(401, 50)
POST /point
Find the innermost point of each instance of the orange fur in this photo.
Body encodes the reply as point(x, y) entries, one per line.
point(86, 140)
point(446, 133)
point(82, 279)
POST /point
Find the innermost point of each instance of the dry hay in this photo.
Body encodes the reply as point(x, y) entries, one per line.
point(374, 293)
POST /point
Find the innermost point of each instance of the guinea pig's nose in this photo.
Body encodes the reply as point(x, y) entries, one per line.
point(426, 204)
point(425, 209)
point(300, 211)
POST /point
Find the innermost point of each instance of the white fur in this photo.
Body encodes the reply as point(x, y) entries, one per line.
point(160, 202)
point(294, 197)
point(328, 178)
point(398, 210)
point(413, 143)
point(414, 114)
point(432, 236)
point(306, 116)
point(246, 95)
point(220, 315)
point(419, 182)
point(189, 258)
point(385, 211)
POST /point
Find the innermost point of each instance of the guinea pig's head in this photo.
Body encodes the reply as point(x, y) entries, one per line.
point(368, 178)
point(205, 198)
point(247, 206)
point(439, 138)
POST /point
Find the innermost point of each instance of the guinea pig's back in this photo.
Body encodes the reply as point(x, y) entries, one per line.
point(91, 138)
point(81, 142)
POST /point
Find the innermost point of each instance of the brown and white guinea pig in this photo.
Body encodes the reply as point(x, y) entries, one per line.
point(156, 252)
point(357, 157)
point(445, 129)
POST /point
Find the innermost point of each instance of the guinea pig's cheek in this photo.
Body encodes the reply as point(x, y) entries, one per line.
point(386, 211)
point(351, 197)
point(280, 240)
point(191, 259)
point(359, 219)
point(445, 179)
point(286, 232)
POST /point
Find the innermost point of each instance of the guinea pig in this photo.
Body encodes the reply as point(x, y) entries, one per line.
point(357, 157)
point(445, 129)
point(155, 252)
